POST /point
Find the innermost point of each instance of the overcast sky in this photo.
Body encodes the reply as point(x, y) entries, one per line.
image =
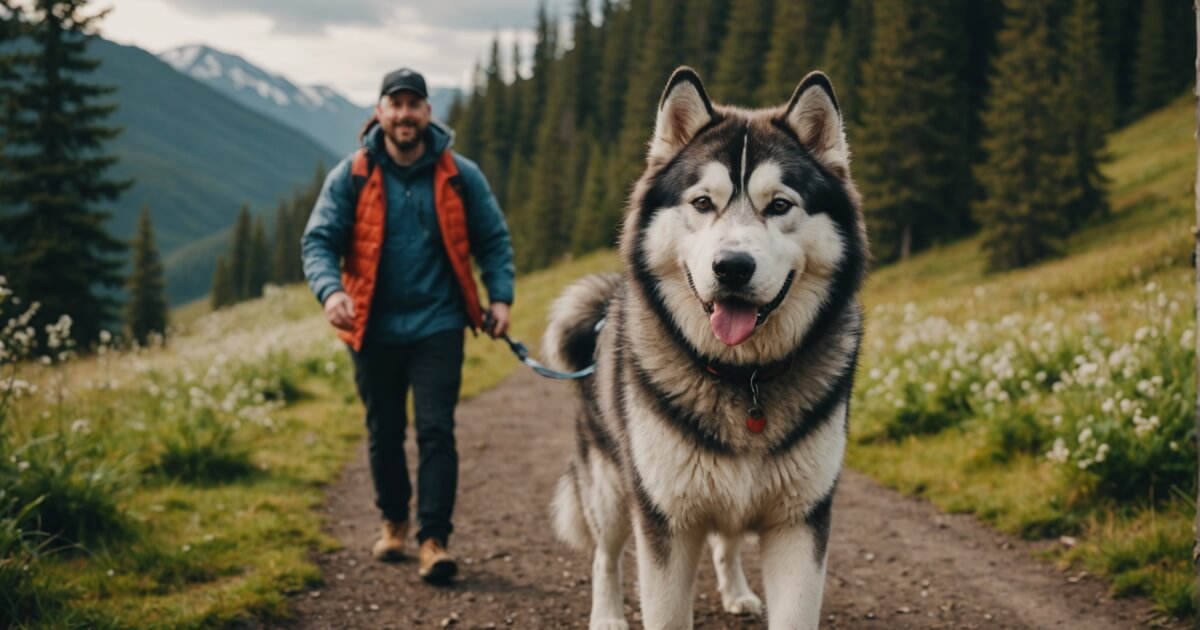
point(346, 44)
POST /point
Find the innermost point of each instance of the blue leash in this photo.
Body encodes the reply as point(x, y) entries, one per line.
point(522, 353)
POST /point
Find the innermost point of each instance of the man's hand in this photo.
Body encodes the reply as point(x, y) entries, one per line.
point(339, 310)
point(499, 320)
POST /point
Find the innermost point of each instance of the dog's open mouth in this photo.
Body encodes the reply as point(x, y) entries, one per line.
point(733, 320)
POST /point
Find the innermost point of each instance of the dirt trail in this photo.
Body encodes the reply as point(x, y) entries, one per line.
point(895, 562)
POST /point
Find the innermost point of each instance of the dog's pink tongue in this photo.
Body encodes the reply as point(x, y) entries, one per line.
point(733, 322)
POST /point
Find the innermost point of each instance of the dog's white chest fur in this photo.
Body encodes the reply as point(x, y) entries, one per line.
point(734, 494)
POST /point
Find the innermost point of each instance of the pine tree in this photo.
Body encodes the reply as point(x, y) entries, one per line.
point(911, 140)
point(239, 255)
point(10, 31)
point(516, 181)
point(281, 249)
point(1027, 176)
point(1118, 25)
point(1153, 84)
point(471, 131)
point(222, 286)
point(585, 64)
point(545, 49)
point(299, 209)
point(1087, 108)
point(52, 175)
point(597, 224)
point(545, 225)
point(259, 271)
point(493, 137)
point(703, 30)
point(454, 115)
point(146, 309)
point(787, 59)
point(1179, 20)
point(656, 60)
point(614, 78)
point(739, 69)
point(844, 62)
point(838, 64)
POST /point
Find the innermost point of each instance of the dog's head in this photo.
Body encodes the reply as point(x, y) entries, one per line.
point(746, 228)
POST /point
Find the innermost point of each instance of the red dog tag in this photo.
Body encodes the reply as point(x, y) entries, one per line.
point(756, 421)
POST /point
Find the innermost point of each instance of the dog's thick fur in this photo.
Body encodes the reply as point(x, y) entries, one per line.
point(664, 449)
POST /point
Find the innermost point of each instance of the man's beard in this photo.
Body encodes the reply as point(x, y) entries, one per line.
point(408, 145)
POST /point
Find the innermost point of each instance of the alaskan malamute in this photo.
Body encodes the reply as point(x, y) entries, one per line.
point(725, 361)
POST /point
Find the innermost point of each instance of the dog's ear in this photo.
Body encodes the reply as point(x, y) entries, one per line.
point(683, 110)
point(814, 115)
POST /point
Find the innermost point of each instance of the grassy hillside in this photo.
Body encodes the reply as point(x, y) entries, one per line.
point(196, 156)
point(180, 482)
point(1056, 400)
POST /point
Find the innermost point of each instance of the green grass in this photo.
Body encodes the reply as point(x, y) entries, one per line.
point(992, 461)
point(211, 512)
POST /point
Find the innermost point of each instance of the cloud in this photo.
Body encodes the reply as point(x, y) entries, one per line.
point(298, 17)
point(479, 15)
point(313, 17)
point(350, 53)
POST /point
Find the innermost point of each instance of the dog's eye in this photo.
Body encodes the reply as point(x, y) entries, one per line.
point(702, 204)
point(779, 207)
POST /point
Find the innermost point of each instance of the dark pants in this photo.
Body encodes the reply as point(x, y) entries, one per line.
point(383, 373)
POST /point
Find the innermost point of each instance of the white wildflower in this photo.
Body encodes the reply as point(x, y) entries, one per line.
point(1058, 453)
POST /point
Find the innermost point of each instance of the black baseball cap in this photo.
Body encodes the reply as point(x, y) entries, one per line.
point(403, 79)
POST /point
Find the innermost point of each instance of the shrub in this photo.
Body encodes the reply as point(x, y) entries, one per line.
point(200, 449)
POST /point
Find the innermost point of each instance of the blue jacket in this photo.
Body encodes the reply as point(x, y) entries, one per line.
point(416, 294)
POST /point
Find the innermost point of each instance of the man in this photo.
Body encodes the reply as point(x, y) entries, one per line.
point(406, 213)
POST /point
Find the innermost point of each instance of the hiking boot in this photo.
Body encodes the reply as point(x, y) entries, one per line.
point(434, 564)
point(390, 546)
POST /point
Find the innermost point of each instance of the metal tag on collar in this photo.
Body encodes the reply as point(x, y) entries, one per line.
point(756, 419)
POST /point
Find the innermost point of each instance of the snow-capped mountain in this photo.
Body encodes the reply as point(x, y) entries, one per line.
point(195, 156)
point(318, 111)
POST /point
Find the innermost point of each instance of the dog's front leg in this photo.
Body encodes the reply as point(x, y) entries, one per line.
point(666, 574)
point(736, 595)
point(793, 559)
point(608, 606)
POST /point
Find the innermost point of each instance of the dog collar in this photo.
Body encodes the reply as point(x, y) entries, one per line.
point(756, 416)
point(741, 373)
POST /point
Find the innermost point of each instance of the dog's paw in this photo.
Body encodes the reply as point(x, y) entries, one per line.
point(748, 604)
point(608, 624)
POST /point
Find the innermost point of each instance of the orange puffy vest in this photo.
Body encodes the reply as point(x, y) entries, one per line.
point(361, 263)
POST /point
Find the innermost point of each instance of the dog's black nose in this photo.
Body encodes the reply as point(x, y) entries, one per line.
point(733, 269)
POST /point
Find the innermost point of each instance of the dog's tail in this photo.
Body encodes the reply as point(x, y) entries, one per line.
point(570, 339)
point(567, 507)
